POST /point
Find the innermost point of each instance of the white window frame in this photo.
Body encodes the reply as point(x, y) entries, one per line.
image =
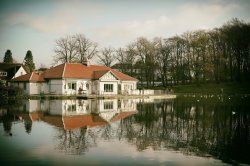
point(71, 85)
point(3, 73)
point(108, 87)
point(108, 105)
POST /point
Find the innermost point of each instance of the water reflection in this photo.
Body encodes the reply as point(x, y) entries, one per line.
point(74, 114)
point(204, 128)
point(72, 119)
point(208, 127)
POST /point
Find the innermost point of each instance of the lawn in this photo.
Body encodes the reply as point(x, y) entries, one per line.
point(214, 88)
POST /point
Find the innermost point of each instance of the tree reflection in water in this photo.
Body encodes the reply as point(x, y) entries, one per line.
point(204, 127)
point(208, 128)
point(76, 141)
point(220, 129)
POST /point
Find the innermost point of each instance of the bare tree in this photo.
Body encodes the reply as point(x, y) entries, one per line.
point(146, 53)
point(66, 50)
point(131, 56)
point(86, 49)
point(76, 48)
point(163, 59)
point(121, 59)
point(126, 58)
point(107, 57)
point(121, 55)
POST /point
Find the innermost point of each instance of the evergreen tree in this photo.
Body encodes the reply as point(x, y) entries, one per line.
point(8, 57)
point(28, 61)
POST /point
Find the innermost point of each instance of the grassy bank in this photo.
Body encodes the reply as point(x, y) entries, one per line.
point(214, 88)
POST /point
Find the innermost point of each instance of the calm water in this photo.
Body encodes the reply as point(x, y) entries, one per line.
point(188, 130)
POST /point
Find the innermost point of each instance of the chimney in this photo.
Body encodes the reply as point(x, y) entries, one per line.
point(85, 61)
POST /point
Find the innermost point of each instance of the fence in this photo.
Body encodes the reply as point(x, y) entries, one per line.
point(146, 92)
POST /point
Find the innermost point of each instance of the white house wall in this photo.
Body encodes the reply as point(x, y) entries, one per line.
point(108, 76)
point(19, 72)
point(95, 87)
point(44, 105)
point(33, 105)
point(76, 107)
point(80, 83)
point(103, 102)
point(55, 107)
point(107, 113)
point(128, 105)
point(44, 87)
point(34, 88)
point(56, 86)
point(30, 106)
point(82, 107)
point(60, 86)
point(127, 86)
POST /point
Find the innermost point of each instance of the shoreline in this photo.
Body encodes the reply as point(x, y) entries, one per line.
point(61, 97)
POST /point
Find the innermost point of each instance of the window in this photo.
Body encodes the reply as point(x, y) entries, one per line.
point(108, 105)
point(127, 86)
point(71, 108)
point(72, 86)
point(119, 103)
point(3, 73)
point(108, 87)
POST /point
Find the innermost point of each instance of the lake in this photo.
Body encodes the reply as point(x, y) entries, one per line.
point(188, 130)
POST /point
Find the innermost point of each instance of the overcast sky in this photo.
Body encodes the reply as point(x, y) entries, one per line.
point(36, 24)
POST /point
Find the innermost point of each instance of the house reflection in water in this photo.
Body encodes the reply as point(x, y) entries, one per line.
point(74, 114)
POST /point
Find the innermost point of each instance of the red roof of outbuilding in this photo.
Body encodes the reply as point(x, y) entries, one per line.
point(31, 77)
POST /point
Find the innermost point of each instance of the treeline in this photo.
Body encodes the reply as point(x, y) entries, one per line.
point(218, 55)
point(27, 62)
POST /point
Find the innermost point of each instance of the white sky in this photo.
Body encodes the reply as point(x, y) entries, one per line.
point(36, 24)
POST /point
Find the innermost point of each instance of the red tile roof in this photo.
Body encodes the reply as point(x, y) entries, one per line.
point(37, 77)
point(31, 77)
point(123, 76)
point(36, 116)
point(122, 115)
point(22, 78)
point(77, 70)
point(99, 74)
point(73, 70)
point(55, 120)
point(78, 121)
point(66, 122)
point(55, 72)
